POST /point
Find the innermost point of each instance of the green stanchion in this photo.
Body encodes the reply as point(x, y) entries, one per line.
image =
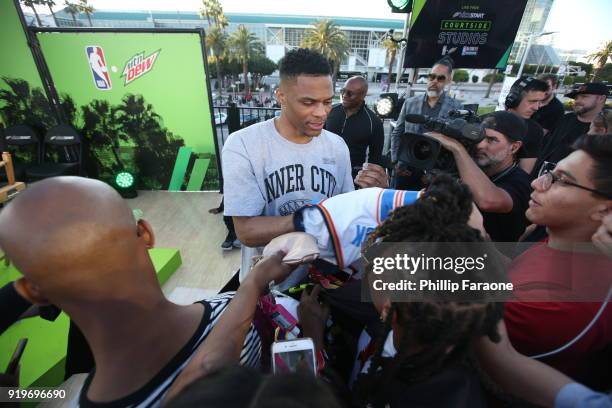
point(197, 175)
point(180, 167)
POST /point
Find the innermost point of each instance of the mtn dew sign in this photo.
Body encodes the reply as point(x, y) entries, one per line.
point(146, 111)
point(139, 65)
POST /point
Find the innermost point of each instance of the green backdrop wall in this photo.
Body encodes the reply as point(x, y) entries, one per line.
point(152, 114)
point(22, 97)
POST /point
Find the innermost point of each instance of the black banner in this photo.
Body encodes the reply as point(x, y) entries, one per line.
point(475, 33)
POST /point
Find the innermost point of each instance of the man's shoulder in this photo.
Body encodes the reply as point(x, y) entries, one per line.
point(249, 133)
point(452, 101)
point(371, 113)
point(330, 137)
point(514, 178)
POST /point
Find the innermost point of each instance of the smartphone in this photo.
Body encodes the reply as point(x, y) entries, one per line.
point(291, 355)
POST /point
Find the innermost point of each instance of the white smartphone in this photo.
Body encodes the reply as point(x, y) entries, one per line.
point(289, 355)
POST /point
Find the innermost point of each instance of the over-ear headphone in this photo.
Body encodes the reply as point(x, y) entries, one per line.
point(513, 99)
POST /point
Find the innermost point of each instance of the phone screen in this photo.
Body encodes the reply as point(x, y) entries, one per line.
point(290, 361)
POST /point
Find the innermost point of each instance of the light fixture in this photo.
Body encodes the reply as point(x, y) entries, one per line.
point(125, 182)
point(384, 107)
point(400, 6)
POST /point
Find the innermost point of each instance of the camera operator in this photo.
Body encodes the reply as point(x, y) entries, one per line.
point(435, 104)
point(524, 99)
point(500, 188)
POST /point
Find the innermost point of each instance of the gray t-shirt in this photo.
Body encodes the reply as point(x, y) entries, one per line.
point(266, 174)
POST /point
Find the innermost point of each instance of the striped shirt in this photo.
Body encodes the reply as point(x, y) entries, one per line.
point(152, 393)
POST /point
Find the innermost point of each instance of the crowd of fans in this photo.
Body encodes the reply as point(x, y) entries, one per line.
point(539, 179)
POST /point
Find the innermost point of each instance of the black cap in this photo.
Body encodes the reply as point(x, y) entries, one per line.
point(592, 88)
point(507, 123)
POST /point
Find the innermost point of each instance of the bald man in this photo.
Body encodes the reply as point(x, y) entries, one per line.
point(357, 124)
point(78, 246)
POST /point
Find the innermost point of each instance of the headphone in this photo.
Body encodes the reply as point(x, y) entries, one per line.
point(514, 97)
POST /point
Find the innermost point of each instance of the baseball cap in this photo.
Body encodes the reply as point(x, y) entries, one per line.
point(507, 123)
point(592, 88)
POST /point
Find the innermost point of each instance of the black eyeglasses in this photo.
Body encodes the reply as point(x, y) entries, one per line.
point(546, 178)
point(434, 77)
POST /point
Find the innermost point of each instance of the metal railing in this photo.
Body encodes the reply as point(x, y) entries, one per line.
point(231, 118)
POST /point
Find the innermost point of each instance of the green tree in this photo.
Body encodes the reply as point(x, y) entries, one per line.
point(461, 75)
point(100, 130)
point(213, 11)
point(260, 66)
point(244, 45)
point(474, 78)
point(85, 7)
point(20, 104)
point(155, 146)
point(330, 41)
point(587, 68)
point(72, 9)
point(605, 73)
point(216, 41)
point(601, 57)
point(392, 47)
point(51, 4)
point(31, 4)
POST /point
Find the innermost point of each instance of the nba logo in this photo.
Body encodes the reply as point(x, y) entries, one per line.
point(97, 63)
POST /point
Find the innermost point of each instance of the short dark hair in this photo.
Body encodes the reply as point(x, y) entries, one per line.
point(447, 62)
point(535, 85)
point(599, 147)
point(553, 78)
point(441, 214)
point(303, 61)
point(234, 386)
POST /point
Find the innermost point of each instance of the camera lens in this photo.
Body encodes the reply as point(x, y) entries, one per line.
point(422, 150)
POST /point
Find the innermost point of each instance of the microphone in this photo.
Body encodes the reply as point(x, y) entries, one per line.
point(414, 118)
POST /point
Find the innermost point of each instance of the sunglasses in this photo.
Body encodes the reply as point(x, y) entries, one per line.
point(434, 77)
point(346, 92)
point(546, 178)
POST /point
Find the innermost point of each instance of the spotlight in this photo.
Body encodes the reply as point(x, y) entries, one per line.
point(124, 183)
point(384, 107)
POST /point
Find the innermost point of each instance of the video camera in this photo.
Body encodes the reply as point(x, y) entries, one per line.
point(426, 153)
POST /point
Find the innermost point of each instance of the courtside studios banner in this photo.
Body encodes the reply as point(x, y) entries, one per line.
point(141, 101)
point(475, 33)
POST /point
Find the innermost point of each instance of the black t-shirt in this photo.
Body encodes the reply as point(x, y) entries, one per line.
point(557, 144)
point(548, 116)
point(508, 227)
point(361, 130)
point(12, 306)
point(151, 394)
point(533, 140)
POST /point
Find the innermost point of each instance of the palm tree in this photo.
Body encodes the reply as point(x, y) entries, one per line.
point(31, 4)
point(327, 38)
point(50, 4)
point(212, 9)
point(244, 45)
point(85, 7)
point(216, 40)
point(601, 57)
point(72, 9)
point(392, 48)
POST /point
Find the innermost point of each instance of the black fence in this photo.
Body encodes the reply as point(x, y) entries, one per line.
point(231, 118)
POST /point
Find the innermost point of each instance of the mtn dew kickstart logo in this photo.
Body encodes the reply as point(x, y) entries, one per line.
point(139, 65)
